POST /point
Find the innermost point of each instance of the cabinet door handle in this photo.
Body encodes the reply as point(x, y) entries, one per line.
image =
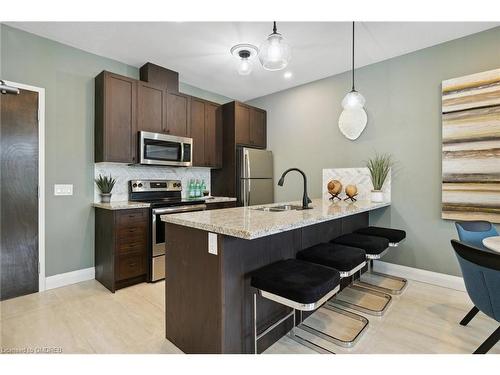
point(132, 264)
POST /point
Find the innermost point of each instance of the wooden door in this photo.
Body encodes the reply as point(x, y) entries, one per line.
point(19, 194)
point(242, 124)
point(151, 108)
point(213, 135)
point(178, 114)
point(198, 131)
point(258, 128)
point(115, 118)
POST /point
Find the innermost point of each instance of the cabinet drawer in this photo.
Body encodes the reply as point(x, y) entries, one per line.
point(131, 218)
point(132, 233)
point(131, 266)
point(138, 246)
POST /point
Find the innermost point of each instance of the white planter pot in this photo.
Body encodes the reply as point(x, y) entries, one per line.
point(377, 196)
point(105, 198)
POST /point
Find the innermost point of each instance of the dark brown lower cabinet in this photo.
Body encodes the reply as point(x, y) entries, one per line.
point(121, 241)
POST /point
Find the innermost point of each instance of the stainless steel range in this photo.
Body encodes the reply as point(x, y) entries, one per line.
point(165, 197)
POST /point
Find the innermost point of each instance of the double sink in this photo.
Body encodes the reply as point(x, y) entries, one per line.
point(278, 208)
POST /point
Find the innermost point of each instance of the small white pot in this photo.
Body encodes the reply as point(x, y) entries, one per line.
point(105, 197)
point(377, 196)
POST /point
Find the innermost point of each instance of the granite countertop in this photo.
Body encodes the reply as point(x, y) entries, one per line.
point(248, 223)
point(121, 205)
point(209, 200)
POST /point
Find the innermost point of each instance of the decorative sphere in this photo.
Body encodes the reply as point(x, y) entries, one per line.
point(334, 187)
point(351, 190)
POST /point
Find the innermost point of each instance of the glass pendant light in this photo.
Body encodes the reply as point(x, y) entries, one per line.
point(274, 53)
point(244, 53)
point(244, 67)
point(353, 99)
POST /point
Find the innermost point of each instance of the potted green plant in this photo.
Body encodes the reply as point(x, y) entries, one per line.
point(379, 167)
point(105, 185)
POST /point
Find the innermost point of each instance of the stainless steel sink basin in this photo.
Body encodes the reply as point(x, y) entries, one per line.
point(279, 208)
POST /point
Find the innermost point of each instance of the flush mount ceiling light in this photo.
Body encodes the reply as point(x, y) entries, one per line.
point(244, 53)
point(353, 118)
point(274, 53)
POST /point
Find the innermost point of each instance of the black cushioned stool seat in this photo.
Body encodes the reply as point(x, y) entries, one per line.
point(371, 244)
point(296, 280)
point(393, 235)
point(341, 257)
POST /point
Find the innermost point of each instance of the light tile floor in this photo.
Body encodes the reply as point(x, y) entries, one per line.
point(87, 318)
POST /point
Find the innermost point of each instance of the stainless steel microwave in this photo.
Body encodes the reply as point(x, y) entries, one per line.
point(162, 149)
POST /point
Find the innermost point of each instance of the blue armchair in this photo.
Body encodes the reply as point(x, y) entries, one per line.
point(473, 232)
point(481, 271)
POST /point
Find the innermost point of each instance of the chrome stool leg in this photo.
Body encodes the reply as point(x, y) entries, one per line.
point(292, 334)
point(382, 289)
point(331, 307)
point(387, 299)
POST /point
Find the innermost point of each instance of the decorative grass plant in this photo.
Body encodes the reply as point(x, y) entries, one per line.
point(379, 167)
point(105, 184)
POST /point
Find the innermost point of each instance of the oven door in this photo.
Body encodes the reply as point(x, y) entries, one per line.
point(161, 149)
point(158, 237)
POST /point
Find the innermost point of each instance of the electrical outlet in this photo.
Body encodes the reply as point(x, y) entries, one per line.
point(63, 189)
point(212, 243)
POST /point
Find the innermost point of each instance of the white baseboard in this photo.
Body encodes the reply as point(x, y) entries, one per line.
point(429, 277)
point(68, 278)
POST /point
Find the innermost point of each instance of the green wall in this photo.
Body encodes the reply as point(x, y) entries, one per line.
point(403, 102)
point(67, 74)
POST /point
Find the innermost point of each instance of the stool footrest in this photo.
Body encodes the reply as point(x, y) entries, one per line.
point(394, 291)
point(334, 339)
point(307, 343)
point(339, 300)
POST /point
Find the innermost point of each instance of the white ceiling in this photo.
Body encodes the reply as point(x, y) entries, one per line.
point(199, 51)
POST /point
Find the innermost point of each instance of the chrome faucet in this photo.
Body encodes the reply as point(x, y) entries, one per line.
point(305, 198)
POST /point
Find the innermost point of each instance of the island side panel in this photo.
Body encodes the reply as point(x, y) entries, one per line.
point(240, 258)
point(193, 291)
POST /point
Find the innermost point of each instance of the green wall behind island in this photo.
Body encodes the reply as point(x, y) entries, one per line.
point(403, 103)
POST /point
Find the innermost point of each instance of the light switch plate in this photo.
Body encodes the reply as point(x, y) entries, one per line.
point(212, 243)
point(63, 189)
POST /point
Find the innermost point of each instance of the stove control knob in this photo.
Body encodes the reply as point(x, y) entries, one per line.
point(134, 185)
point(140, 185)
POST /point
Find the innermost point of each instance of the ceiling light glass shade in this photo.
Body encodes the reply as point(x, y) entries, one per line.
point(244, 67)
point(274, 53)
point(353, 100)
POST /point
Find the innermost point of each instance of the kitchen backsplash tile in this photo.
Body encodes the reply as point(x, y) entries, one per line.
point(123, 173)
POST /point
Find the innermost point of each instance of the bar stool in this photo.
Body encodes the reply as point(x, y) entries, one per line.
point(347, 260)
point(395, 237)
point(375, 247)
point(296, 284)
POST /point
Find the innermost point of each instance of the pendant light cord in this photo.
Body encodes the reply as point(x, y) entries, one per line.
point(275, 30)
point(353, 56)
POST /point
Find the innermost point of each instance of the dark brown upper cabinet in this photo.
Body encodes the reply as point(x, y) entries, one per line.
point(258, 128)
point(178, 114)
point(115, 118)
point(213, 135)
point(160, 76)
point(151, 108)
point(249, 126)
point(198, 131)
point(206, 131)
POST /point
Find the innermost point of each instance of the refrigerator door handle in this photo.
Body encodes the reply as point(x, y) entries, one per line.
point(247, 163)
point(248, 192)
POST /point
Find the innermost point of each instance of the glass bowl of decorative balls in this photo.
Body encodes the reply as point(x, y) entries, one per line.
point(335, 188)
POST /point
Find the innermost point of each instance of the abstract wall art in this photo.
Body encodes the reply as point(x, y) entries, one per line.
point(471, 147)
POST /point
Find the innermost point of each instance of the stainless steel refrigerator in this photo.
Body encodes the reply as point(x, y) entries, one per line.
point(255, 176)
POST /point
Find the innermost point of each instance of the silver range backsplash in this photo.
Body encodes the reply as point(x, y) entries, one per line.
point(123, 173)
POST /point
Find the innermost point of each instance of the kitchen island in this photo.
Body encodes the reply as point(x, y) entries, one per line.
point(210, 257)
